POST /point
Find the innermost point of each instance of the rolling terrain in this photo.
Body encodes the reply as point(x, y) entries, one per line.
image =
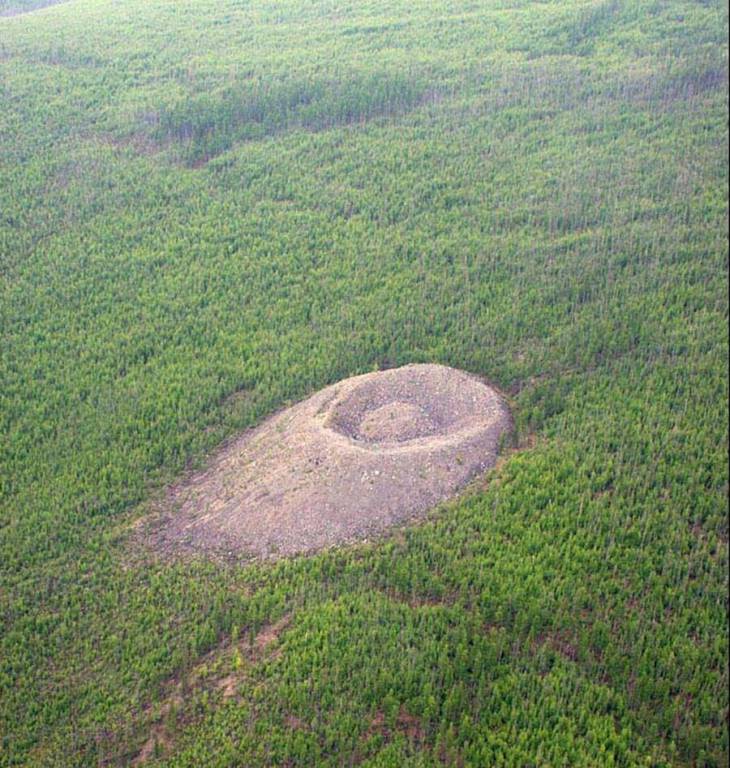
point(210, 211)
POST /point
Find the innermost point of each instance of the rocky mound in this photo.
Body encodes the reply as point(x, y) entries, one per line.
point(348, 462)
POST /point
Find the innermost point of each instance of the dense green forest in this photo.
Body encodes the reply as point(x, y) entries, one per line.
point(209, 210)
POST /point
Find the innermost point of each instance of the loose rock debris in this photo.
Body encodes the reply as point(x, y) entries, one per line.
point(344, 465)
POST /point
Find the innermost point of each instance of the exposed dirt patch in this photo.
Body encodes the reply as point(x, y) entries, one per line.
point(270, 633)
point(410, 726)
point(345, 464)
point(157, 744)
point(228, 686)
point(405, 723)
point(222, 670)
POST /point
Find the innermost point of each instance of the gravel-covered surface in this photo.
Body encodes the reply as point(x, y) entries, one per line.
point(345, 464)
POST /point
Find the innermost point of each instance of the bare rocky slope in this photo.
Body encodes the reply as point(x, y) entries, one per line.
point(353, 459)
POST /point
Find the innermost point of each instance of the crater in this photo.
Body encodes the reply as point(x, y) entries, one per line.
point(343, 465)
point(395, 422)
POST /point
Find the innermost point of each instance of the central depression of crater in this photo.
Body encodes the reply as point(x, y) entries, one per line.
point(345, 464)
point(395, 422)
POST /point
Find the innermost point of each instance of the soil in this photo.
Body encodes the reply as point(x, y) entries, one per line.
point(160, 739)
point(357, 457)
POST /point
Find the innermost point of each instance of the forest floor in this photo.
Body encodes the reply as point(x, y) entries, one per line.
point(352, 460)
point(220, 673)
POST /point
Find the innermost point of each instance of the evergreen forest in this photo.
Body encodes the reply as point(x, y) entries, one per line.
point(210, 209)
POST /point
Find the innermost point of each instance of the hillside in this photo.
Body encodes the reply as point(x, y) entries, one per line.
point(209, 211)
